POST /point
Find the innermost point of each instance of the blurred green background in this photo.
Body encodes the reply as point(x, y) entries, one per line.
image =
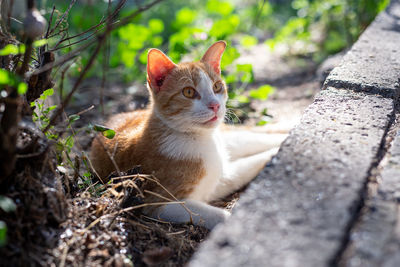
point(305, 29)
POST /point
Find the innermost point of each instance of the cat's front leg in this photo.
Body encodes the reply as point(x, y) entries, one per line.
point(192, 211)
point(240, 172)
point(241, 144)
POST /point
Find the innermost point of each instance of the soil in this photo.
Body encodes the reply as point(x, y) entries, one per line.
point(61, 222)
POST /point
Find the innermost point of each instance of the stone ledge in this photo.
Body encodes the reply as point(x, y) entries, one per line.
point(302, 207)
point(375, 239)
point(373, 63)
point(296, 212)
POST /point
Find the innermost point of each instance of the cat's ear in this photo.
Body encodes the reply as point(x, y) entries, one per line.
point(213, 56)
point(158, 67)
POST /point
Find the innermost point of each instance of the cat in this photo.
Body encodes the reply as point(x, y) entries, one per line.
point(180, 139)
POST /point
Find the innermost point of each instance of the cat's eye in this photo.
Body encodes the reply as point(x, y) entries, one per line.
point(218, 86)
point(189, 92)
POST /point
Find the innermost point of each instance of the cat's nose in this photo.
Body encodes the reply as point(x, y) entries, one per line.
point(214, 106)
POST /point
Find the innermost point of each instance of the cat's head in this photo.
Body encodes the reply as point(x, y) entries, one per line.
point(188, 97)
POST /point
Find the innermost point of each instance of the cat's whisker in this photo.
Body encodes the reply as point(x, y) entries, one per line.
point(231, 115)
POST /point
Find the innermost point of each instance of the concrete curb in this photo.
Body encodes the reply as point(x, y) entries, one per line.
point(373, 63)
point(375, 238)
point(302, 209)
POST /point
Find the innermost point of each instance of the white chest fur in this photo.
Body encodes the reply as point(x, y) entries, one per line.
point(208, 148)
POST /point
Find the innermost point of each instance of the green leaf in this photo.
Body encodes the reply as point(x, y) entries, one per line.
point(127, 56)
point(4, 77)
point(109, 134)
point(224, 27)
point(246, 71)
point(22, 88)
point(299, 4)
point(248, 41)
point(185, 16)
point(262, 92)
point(156, 40)
point(143, 57)
point(382, 5)
point(98, 128)
point(242, 99)
point(9, 78)
point(223, 8)
point(52, 136)
point(73, 118)
point(244, 68)
point(3, 233)
point(40, 43)
point(231, 78)
point(156, 25)
point(87, 175)
point(7, 204)
point(9, 49)
point(69, 142)
point(261, 122)
point(52, 108)
point(135, 35)
point(48, 92)
point(264, 112)
point(229, 56)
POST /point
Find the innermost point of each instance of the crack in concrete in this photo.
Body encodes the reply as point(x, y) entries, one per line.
point(339, 258)
point(368, 89)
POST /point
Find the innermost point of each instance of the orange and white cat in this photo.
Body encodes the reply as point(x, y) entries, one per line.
point(179, 140)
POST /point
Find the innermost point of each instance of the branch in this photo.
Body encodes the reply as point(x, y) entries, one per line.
point(109, 18)
point(50, 21)
point(100, 41)
point(113, 26)
point(62, 17)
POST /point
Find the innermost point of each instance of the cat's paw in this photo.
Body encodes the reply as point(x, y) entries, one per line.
point(217, 218)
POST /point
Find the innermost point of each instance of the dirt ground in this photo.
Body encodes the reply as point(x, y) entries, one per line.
point(101, 225)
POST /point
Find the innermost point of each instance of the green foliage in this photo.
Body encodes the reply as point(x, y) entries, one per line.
point(325, 27)
point(41, 116)
point(3, 233)
point(262, 92)
point(230, 55)
point(224, 8)
point(184, 17)
point(11, 49)
point(107, 132)
point(87, 178)
point(248, 41)
point(265, 118)
point(41, 112)
point(7, 205)
point(10, 79)
point(308, 28)
point(5, 77)
point(225, 26)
